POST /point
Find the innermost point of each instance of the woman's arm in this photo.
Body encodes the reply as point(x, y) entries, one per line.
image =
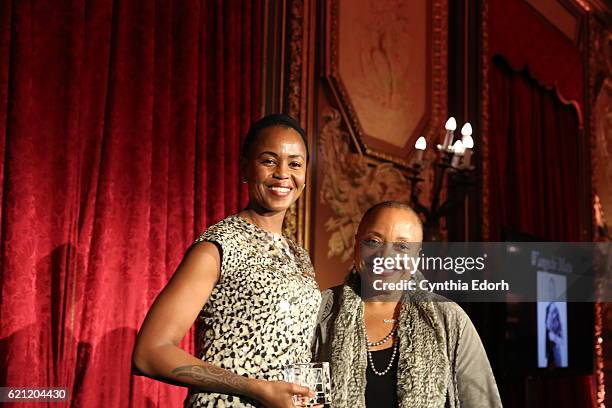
point(157, 354)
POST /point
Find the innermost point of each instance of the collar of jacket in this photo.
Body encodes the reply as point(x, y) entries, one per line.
point(423, 368)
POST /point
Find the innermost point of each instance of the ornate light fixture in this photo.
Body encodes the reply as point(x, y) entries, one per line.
point(453, 161)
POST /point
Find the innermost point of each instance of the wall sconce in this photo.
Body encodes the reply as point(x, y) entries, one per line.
point(454, 161)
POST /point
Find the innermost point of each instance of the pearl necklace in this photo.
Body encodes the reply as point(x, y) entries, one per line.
point(383, 341)
point(371, 360)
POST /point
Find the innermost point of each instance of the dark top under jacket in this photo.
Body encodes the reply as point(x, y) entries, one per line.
point(381, 390)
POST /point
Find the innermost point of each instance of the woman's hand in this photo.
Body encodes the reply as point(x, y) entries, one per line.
point(279, 394)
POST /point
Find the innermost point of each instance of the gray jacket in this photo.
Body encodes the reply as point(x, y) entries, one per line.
point(470, 383)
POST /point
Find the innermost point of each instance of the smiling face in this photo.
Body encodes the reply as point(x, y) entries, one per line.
point(387, 232)
point(275, 169)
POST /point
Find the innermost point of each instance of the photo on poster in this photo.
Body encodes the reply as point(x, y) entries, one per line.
point(552, 321)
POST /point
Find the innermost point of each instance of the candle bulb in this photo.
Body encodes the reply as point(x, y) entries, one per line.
point(458, 151)
point(450, 126)
point(420, 146)
point(468, 144)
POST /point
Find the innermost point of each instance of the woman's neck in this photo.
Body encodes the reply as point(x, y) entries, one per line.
point(267, 220)
point(386, 310)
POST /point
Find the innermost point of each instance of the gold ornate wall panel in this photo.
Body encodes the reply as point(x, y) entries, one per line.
point(351, 184)
point(484, 125)
point(386, 65)
point(600, 82)
point(600, 124)
point(294, 220)
point(362, 135)
point(297, 99)
point(369, 114)
point(348, 183)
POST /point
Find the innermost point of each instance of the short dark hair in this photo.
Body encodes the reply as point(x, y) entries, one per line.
point(276, 119)
point(390, 204)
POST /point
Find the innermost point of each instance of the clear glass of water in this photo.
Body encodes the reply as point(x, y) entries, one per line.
point(314, 376)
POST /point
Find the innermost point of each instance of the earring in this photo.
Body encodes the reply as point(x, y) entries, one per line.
point(245, 180)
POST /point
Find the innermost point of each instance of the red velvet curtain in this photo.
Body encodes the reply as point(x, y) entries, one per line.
point(120, 125)
point(533, 156)
point(526, 39)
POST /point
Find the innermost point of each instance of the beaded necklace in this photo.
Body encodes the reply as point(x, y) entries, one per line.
point(369, 345)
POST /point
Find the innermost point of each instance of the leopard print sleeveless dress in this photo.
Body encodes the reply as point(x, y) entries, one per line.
point(262, 313)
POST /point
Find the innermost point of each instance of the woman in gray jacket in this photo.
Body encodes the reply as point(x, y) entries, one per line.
point(415, 352)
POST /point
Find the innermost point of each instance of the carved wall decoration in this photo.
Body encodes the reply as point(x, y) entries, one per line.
point(290, 225)
point(600, 91)
point(601, 82)
point(298, 104)
point(386, 65)
point(296, 39)
point(351, 184)
point(484, 125)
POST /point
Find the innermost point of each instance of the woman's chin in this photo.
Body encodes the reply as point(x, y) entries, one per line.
point(278, 204)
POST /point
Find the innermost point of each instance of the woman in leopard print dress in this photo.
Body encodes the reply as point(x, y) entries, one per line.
point(252, 290)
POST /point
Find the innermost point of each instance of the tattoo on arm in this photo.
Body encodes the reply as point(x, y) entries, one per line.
point(214, 379)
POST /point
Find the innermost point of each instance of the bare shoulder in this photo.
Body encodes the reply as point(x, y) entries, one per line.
point(203, 259)
point(177, 306)
point(204, 250)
